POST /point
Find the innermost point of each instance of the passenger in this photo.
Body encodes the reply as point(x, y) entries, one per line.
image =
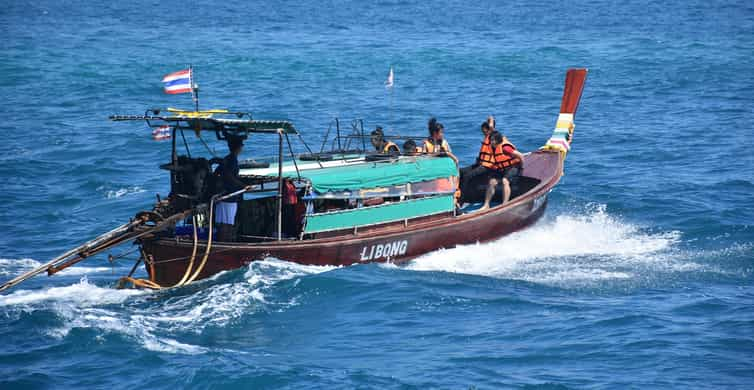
point(485, 154)
point(225, 211)
point(435, 143)
point(383, 146)
point(506, 164)
point(410, 148)
point(491, 123)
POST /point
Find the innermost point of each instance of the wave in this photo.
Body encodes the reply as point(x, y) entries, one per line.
point(170, 315)
point(81, 294)
point(569, 250)
point(120, 192)
point(13, 267)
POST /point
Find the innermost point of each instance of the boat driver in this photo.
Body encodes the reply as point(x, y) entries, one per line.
point(383, 146)
point(225, 211)
point(505, 165)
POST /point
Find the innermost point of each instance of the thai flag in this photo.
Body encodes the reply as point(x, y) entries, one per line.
point(178, 82)
point(161, 133)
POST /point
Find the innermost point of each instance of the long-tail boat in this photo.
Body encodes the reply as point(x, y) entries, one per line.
point(351, 206)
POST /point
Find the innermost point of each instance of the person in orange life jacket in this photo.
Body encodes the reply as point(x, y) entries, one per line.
point(485, 153)
point(435, 143)
point(506, 162)
point(225, 211)
point(383, 146)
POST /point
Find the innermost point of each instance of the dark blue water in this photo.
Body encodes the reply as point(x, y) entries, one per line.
point(639, 276)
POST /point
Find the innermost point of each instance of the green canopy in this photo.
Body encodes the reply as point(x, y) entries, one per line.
point(380, 174)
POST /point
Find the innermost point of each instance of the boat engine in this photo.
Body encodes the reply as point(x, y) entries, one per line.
point(191, 181)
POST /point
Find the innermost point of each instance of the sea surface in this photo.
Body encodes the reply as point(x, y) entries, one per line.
point(640, 275)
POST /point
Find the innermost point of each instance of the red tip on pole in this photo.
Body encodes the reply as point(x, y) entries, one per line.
point(574, 85)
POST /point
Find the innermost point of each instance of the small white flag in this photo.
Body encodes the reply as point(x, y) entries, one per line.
point(389, 81)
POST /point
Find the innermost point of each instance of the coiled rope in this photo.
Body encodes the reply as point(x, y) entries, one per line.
point(186, 279)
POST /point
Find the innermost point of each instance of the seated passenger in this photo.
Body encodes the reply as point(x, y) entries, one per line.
point(410, 148)
point(485, 154)
point(506, 164)
point(383, 146)
point(435, 143)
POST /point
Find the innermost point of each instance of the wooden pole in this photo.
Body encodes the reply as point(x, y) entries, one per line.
point(337, 133)
point(280, 185)
point(81, 248)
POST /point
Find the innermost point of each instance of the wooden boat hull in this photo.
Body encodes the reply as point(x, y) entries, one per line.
point(169, 257)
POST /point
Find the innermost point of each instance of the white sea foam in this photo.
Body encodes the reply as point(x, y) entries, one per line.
point(581, 248)
point(13, 267)
point(159, 325)
point(123, 191)
point(81, 294)
point(218, 304)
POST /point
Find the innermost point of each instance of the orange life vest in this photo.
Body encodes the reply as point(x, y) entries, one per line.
point(388, 145)
point(431, 147)
point(485, 152)
point(498, 159)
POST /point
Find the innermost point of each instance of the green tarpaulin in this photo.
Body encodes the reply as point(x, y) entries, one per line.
point(380, 174)
point(390, 212)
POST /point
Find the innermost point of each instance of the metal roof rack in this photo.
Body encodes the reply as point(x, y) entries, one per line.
point(218, 121)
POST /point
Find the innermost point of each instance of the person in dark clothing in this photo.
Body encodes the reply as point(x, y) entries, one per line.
point(485, 152)
point(225, 211)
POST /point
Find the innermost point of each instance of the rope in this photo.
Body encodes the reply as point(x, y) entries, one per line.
point(193, 255)
point(151, 284)
point(209, 242)
point(143, 283)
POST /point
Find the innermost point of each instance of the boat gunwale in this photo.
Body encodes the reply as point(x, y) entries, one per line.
point(428, 226)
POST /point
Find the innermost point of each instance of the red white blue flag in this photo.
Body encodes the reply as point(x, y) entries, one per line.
point(178, 82)
point(161, 133)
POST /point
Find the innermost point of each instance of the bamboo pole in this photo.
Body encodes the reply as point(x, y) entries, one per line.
point(79, 249)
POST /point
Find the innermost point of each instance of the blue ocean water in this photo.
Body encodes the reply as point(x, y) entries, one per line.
point(639, 275)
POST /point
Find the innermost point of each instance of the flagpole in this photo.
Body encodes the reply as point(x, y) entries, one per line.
point(390, 83)
point(390, 111)
point(194, 89)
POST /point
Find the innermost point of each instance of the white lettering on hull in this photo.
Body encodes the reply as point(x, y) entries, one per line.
point(384, 251)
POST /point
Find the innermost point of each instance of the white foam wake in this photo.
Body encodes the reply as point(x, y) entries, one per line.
point(159, 324)
point(579, 248)
point(120, 192)
point(13, 267)
point(81, 294)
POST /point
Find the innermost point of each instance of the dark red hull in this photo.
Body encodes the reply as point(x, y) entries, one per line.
point(394, 243)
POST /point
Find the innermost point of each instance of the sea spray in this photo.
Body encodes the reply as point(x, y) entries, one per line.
point(588, 246)
point(160, 321)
